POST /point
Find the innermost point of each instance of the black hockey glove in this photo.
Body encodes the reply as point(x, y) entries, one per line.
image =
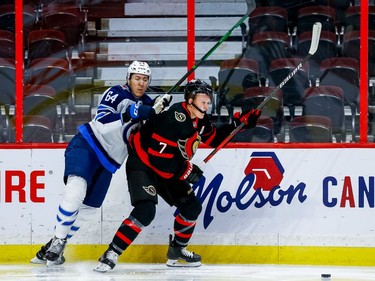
point(190, 172)
point(161, 102)
point(249, 118)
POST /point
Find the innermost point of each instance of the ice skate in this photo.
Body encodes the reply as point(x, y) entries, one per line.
point(107, 261)
point(54, 254)
point(40, 255)
point(178, 256)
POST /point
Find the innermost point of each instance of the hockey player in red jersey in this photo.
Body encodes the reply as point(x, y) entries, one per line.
point(159, 163)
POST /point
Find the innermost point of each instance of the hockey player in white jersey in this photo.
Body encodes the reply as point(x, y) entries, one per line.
point(96, 152)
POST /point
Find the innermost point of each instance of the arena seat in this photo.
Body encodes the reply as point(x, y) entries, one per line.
point(7, 47)
point(231, 76)
point(36, 128)
point(293, 89)
point(254, 96)
point(310, 128)
point(327, 49)
point(268, 46)
point(264, 19)
point(43, 43)
point(327, 101)
point(263, 132)
point(307, 16)
point(42, 100)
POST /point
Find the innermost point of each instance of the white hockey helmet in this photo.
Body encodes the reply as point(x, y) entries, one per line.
point(139, 67)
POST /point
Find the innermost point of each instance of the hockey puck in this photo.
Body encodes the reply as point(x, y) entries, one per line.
point(326, 276)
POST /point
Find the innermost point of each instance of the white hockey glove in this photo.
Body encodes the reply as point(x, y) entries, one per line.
point(161, 102)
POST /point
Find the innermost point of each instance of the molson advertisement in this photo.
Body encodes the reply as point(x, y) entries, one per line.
point(268, 197)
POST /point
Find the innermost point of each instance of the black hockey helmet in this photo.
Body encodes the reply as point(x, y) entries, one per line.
point(196, 86)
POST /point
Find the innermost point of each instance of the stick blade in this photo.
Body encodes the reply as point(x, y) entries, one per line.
point(317, 28)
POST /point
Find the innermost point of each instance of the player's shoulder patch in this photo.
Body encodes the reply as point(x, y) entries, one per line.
point(180, 117)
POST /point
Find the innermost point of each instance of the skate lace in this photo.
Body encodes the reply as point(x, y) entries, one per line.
point(111, 255)
point(187, 253)
point(57, 246)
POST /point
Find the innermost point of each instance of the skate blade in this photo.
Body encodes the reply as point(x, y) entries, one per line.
point(52, 263)
point(35, 260)
point(182, 263)
point(102, 268)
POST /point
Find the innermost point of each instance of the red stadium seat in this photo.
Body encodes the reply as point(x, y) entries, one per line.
point(7, 47)
point(327, 101)
point(42, 100)
point(307, 16)
point(310, 128)
point(293, 89)
point(36, 128)
point(267, 46)
point(263, 132)
point(264, 19)
point(253, 97)
point(67, 19)
point(327, 49)
point(53, 72)
point(44, 43)
point(231, 76)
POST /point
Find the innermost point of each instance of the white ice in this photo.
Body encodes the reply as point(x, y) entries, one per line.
point(160, 272)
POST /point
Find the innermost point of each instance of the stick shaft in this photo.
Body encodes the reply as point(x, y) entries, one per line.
point(314, 45)
point(250, 8)
point(291, 74)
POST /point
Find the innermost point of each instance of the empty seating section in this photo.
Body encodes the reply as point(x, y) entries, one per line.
point(294, 88)
point(310, 128)
point(307, 16)
point(327, 49)
point(352, 18)
point(335, 64)
point(327, 101)
point(36, 128)
point(44, 43)
point(7, 78)
point(52, 31)
point(75, 49)
point(7, 18)
point(264, 19)
point(7, 44)
point(344, 73)
point(267, 46)
point(263, 132)
point(41, 100)
point(254, 96)
point(65, 18)
point(232, 74)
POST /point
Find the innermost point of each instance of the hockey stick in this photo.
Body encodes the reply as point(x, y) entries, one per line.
point(250, 7)
point(317, 27)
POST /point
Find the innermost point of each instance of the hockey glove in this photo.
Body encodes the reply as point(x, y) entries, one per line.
point(249, 118)
point(161, 102)
point(137, 111)
point(190, 172)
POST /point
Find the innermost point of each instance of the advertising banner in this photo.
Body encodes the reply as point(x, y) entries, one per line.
point(291, 197)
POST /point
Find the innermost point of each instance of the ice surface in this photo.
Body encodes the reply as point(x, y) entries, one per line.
point(160, 272)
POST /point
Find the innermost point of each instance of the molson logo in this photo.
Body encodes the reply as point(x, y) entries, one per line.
point(259, 187)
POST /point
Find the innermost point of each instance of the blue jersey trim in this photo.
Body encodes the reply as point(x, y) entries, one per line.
point(88, 134)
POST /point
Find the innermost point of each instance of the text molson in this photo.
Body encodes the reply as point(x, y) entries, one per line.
point(244, 197)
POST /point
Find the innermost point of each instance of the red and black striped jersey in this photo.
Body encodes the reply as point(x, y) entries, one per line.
point(169, 139)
